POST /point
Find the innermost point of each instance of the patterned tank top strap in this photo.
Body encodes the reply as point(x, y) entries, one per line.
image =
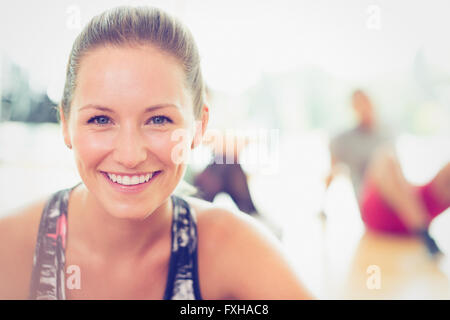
point(182, 280)
point(47, 278)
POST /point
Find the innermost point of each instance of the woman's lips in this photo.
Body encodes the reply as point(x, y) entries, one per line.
point(136, 188)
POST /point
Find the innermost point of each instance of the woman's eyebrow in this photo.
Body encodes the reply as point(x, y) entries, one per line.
point(149, 109)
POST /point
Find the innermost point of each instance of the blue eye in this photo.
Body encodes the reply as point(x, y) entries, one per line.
point(99, 120)
point(160, 120)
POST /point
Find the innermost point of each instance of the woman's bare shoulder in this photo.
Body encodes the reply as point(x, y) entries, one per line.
point(20, 221)
point(247, 259)
point(18, 233)
point(223, 222)
point(229, 227)
point(216, 228)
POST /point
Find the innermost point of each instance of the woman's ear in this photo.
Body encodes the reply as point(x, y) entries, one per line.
point(200, 127)
point(65, 128)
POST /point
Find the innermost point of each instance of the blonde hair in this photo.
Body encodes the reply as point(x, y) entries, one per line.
point(129, 26)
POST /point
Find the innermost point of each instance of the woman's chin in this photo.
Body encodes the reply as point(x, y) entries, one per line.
point(133, 210)
point(130, 215)
point(128, 211)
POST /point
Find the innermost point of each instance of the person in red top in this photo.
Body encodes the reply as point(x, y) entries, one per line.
point(388, 202)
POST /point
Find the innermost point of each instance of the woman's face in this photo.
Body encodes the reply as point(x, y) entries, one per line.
point(128, 111)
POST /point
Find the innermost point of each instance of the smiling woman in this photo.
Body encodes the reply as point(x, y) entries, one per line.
point(133, 82)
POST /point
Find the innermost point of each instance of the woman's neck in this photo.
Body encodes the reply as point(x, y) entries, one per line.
point(95, 230)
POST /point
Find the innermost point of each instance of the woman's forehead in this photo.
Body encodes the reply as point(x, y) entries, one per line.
point(135, 75)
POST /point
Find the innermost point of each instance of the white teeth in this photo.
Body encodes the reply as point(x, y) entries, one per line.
point(127, 180)
point(134, 180)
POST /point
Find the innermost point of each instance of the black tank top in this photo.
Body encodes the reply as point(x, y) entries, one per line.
point(48, 275)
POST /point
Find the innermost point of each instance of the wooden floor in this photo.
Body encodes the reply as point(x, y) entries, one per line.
point(338, 259)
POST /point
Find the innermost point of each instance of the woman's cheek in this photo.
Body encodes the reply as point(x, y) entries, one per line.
point(93, 145)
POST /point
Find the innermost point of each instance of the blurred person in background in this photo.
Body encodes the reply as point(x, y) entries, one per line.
point(224, 174)
point(134, 79)
point(387, 201)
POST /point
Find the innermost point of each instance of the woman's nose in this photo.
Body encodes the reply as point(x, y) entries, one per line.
point(130, 149)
